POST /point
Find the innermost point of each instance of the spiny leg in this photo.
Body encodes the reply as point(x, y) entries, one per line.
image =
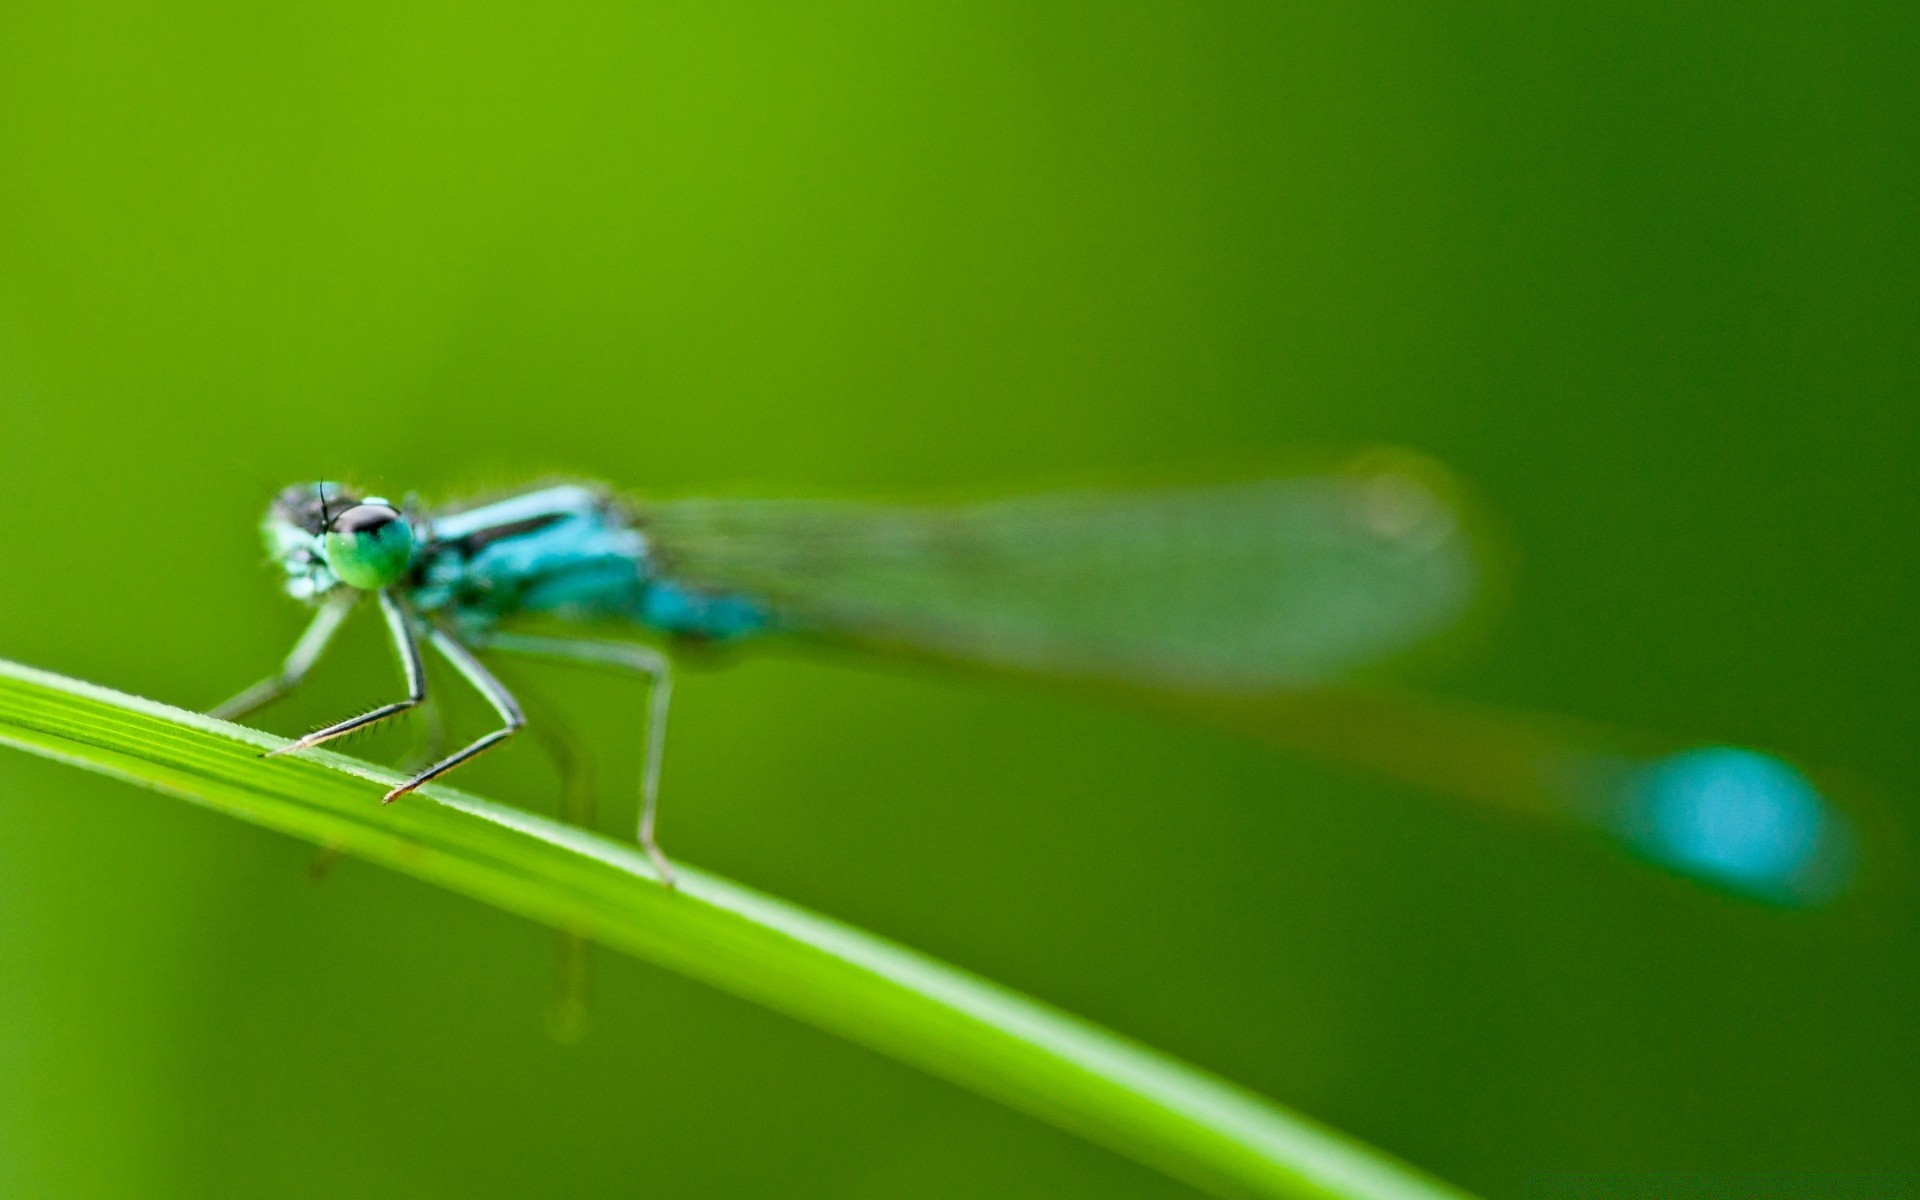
point(495, 693)
point(626, 656)
point(401, 628)
point(433, 735)
point(319, 633)
point(433, 744)
point(298, 662)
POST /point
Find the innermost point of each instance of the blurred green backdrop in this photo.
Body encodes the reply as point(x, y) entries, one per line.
point(1645, 275)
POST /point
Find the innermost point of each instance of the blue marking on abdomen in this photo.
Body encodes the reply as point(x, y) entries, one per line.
point(718, 616)
point(1744, 819)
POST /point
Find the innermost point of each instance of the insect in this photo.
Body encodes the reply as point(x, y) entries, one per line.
point(1284, 583)
point(1255, 603)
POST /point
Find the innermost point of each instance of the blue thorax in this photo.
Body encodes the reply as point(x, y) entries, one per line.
point(569, 551)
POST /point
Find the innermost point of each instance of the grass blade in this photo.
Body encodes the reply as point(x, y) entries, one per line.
point(1084, 1079)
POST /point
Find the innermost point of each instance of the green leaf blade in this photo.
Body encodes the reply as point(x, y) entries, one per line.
point(957, 1026)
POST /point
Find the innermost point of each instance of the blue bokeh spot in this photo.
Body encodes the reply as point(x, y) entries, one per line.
point(1738, 815)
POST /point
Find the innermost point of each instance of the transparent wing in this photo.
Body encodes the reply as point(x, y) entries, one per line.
point(1277, 583)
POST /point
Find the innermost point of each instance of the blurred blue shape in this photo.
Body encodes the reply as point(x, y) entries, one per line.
point(1739, 818)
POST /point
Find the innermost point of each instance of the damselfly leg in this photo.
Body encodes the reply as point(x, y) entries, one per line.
point(407, 646)
point(404, 644)
point(620, 656)
point(432, 746)
point(495, 693)
point(299, 661)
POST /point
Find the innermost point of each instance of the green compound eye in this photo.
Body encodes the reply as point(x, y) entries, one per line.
point(369, 546)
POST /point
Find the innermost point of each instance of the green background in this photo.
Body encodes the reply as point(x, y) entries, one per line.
point(1646, 276)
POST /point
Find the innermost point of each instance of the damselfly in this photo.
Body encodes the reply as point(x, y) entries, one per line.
point(1255, 597)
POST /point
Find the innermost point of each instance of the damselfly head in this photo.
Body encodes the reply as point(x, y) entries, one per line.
point(325, 535)
point(370, 545)
point(308, 508)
